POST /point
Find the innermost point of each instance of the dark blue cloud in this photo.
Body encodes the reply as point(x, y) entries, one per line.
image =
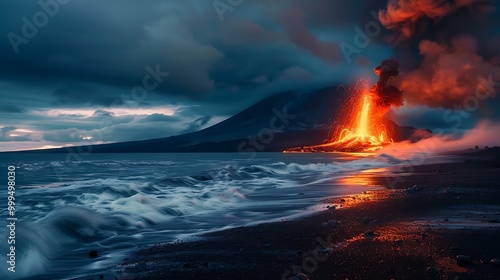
point(102, 55)
point(11, 109)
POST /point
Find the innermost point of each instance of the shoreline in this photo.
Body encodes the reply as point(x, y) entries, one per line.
point(413, 230)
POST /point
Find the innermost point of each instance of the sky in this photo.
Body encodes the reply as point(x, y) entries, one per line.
point(78, 72)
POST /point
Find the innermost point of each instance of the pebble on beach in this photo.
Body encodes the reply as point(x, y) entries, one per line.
point(367, 220)
point(463, 260)
point(431, 271)
point(331, 207)
point(330, 223)
point(412, 189)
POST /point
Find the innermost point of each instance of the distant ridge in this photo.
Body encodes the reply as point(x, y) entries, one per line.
point(274, 124)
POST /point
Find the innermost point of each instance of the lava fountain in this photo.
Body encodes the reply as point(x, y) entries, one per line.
point(361, 138)
point(368, 134)
point(363, 130)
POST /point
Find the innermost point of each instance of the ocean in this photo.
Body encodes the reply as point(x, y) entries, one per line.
point(76, 218)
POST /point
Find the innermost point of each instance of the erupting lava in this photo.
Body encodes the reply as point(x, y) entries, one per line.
point(363, 130)
point(362, 138)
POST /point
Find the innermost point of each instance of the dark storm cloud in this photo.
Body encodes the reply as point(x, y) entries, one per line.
point(293, 23)
point(92, 55)
point(80, 94)
point(96, 41)
point(83, 65)
point(11, 109)
point(112, 43)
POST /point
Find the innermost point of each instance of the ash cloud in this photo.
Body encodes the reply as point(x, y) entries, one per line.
point(454, 41)
point(448, 75)
point(387, 95)
point(407, 17)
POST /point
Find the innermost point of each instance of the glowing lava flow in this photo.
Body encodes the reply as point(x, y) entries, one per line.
point(361, 136)
point(360, 140)
point(362, 130)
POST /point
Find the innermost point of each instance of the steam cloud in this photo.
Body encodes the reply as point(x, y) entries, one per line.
point(452, 65)
point(484, 134)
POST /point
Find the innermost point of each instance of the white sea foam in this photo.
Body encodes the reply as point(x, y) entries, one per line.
point(116, 204)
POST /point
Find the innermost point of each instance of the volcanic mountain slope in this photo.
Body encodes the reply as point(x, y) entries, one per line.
point(277, 123)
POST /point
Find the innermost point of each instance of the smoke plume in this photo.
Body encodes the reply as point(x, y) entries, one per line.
point(387, 95)
point(454, 39)
point(448, 75)
point(408, 16)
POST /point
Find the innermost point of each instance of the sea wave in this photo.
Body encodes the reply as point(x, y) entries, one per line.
point(156, 201)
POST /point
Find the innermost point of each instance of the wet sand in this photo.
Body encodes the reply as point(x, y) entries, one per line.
point(414, 230)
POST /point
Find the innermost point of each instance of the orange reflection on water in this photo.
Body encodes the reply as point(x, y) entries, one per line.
point(369, 177)
point(375, 170)
point(357, 180)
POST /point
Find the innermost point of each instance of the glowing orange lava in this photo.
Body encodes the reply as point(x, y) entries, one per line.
point(367, 136)
point(362, 135)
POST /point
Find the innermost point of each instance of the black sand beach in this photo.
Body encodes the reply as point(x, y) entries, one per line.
point(439, 222)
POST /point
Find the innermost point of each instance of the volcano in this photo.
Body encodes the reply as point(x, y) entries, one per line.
point(274, 124)
point(363, 124)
